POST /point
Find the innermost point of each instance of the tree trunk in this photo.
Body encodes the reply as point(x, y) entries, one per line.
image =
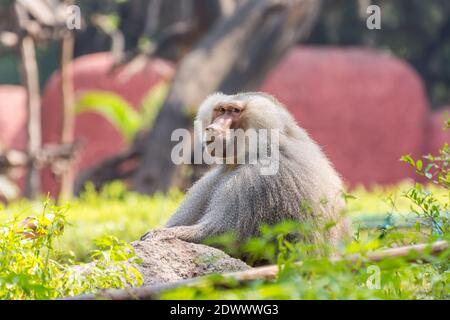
point(235, 56)
point(68, 97)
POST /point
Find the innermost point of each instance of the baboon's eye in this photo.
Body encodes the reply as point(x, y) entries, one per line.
point(236, 110)
point(221, 109)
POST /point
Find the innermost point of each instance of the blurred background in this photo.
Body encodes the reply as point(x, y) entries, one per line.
point(92, 93)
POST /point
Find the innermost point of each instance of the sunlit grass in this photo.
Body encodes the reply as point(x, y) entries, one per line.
point(114, 211)
point(128, 215)
point(387, 199)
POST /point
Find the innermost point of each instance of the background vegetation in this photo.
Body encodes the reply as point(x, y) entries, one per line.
point(415, 30)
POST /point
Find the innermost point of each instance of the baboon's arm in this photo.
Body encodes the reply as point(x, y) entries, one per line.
point(197, 198)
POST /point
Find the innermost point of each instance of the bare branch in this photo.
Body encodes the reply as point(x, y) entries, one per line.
point(30, 75)
point(48, 156)
point(9, 39)
point(40, 10)
point(68, 121)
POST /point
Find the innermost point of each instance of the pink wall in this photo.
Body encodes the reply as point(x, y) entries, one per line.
point(364, 108)
point(99, 138)
point(13, 117)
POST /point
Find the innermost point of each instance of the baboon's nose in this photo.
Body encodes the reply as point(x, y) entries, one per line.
point(213, 129)
point(219, 125)
point(209, 133)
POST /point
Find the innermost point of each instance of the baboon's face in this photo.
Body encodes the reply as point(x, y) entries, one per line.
point(226, 117)
point(233, 122)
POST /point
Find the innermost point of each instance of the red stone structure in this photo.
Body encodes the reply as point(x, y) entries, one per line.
point(365, 108)
point(13, 117)
point(98, 136)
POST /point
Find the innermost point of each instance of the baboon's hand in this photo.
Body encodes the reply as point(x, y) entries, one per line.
point(158, 234)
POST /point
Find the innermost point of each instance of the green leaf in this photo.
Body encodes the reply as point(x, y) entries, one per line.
point(113, 107)
point(407, 158)
point(419, 165)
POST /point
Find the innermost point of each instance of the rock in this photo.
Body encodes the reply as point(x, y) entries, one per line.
point(169, 259)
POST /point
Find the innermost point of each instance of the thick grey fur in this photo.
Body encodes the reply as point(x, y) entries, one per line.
point(239, 199)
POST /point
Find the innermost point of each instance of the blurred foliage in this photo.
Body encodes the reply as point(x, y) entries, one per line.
point(114, 108)
point(126, 119)
point(387, 199)
point(47, 58)
point(435, 168)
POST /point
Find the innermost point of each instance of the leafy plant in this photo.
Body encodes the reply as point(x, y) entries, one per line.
point(434, 168)
point(112, 211)
point(425, 204)
point(120, 113)
point(31, 267)
point(302, 275)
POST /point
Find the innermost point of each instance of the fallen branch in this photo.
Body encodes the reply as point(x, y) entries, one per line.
point(411, 253)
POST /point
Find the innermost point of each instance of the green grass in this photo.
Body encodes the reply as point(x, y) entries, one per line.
point(127, 215)
point(385, 199)
point(114, 211)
